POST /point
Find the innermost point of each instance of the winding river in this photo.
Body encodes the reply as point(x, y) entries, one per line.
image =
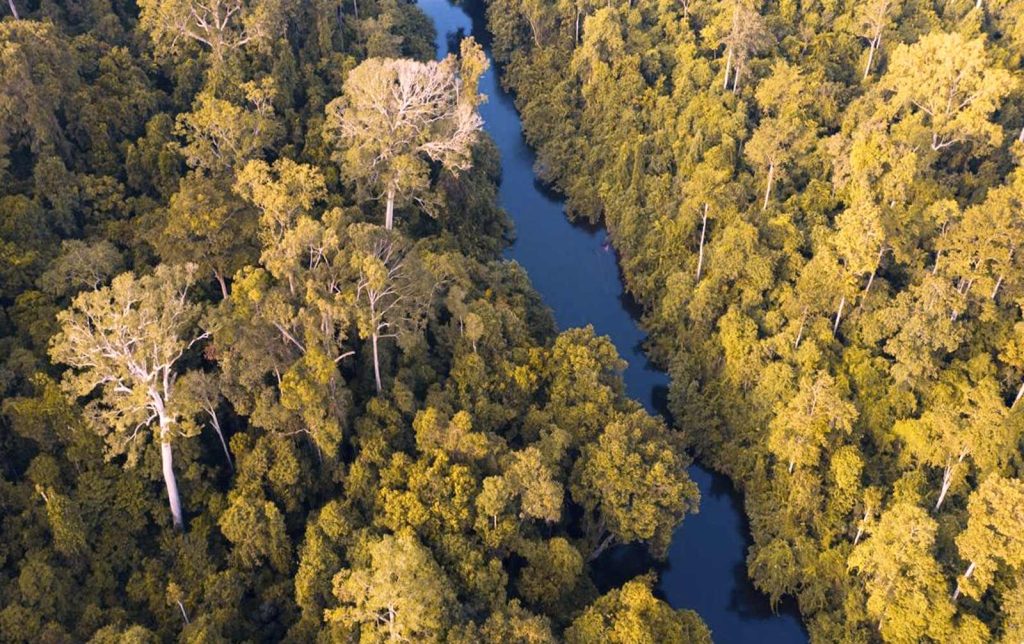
point(576, 272)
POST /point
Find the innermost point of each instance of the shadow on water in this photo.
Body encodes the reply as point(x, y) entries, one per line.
point(576, 271)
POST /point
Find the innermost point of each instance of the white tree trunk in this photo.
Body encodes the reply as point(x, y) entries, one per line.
point(220, 434)
point(800, 332)
point(947, 480)
point(1020, 394)
point(577, 28)
point(222, 283)
point(967, 575)
point(167, 458)
point(871, 55)
point(703, 231)
point(389, 217)
point(728, 68)
point(376, 364)
point(839, 315)
point(14, 10)
point(871, 280)
point(768, 188)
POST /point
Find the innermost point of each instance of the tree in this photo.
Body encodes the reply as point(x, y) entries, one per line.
point(221, 136)
point(81, 265)
point(283, 192)
point(966, 418)
point(633, 482)
point(787, 131)
point(223, 26)
point(398, 593)
point(946, 83)
point(394, 115)
point(995, 525)
point(207, 225)
point(744, 34)
point(906, 591)
point(37, 79)
point(123, 343)
point(392, 289)
point(809, 420)
point(633, 615)
point(873, 18)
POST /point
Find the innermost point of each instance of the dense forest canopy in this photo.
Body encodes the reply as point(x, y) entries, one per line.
point(265, 375)
point(820, 206)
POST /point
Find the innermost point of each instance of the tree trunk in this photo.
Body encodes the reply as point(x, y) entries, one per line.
point(728, 68)
point(220, 434)
point(184, 615)
point(703, 230)
point(735, 79)
point(376, 364)
point(1020, 394)
point(800, 332)
point(389, 217)
point(355, 7)
point(601, 547)
point(947, 480)
point(871, 280)
point(577, 28)
point(967, 575)
point(223, 284)
point(995, 289)
point(839, 315)
point(871, 55)
point(167, 458)
point(14, 10)
point(768, 188)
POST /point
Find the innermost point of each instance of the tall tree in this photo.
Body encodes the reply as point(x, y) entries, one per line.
point(222, 26)
point(994, 536)
point(906, 591)
point(392, 289)
point(947, 83)
point(810, 421)
point(395, 115)
point(123, 344)
point(400, 593)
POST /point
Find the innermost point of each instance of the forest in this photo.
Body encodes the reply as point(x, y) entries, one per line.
point(819, 206)
point(265, 375)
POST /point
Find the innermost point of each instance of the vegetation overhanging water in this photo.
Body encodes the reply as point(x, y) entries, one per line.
point(575, 269)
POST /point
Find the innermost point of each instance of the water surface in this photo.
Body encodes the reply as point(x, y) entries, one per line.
point(576, 272)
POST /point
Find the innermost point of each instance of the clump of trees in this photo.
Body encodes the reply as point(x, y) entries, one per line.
point(362, 429)
point(818, 208)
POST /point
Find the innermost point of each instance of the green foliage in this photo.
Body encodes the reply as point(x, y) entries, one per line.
point(813, 204)
point(360, 433)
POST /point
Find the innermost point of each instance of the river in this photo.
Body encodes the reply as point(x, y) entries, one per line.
point(576, 272)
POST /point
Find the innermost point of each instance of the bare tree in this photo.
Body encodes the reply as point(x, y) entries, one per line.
point(14, 9)
point(124, 342)
point(397, 115)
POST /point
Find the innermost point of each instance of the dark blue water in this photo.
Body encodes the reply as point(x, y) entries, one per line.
point(576, 272)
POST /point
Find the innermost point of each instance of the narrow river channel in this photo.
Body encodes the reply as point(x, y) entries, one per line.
point(577, 274)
